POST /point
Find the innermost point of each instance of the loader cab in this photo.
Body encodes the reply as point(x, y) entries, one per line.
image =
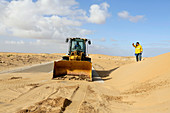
point(77, 44)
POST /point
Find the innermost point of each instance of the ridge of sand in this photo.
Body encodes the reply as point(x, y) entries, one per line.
point(145, 83)
point(131, 74)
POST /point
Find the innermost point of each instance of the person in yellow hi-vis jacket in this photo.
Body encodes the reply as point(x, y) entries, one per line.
point(138, 51)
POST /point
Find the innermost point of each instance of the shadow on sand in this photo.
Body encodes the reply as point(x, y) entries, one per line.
point(105, 74)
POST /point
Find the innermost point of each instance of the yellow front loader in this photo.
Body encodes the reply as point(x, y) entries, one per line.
point(76, 63)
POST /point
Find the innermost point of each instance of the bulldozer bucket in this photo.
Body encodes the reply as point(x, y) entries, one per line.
point(80, 68)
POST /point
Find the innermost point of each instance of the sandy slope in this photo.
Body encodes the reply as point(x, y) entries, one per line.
point(141, 87)
point(146, 84)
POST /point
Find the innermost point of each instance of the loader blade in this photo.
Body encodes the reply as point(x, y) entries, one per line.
point(80, 68)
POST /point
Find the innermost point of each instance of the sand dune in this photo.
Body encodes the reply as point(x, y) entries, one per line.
point(145, 83)
point(129, 87)
point(146, 71)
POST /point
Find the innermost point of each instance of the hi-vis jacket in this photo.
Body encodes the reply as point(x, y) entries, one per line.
point(138, 49)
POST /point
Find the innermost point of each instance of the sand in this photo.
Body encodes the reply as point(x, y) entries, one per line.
point(14, 60)
point(129, 87)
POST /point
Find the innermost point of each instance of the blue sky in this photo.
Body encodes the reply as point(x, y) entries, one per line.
point(113, 35)
point(152, 32)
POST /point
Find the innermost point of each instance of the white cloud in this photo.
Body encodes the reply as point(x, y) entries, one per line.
point(126, 15)
point(48, 19)
point(38, 42)
point(136, 18)
point(14, 42)
point(34, 42)
point(98, 13)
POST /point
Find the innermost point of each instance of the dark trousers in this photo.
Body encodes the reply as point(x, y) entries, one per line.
point(138, 57)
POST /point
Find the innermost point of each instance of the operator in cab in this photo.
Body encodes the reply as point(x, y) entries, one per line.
point(77, 46)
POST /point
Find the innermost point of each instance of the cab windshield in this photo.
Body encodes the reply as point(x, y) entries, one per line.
point(77, 46)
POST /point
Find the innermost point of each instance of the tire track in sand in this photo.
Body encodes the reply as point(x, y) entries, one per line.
point(77, 99)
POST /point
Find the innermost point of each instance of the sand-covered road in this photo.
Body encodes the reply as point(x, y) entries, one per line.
point(128, 87)
point(10, 61)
